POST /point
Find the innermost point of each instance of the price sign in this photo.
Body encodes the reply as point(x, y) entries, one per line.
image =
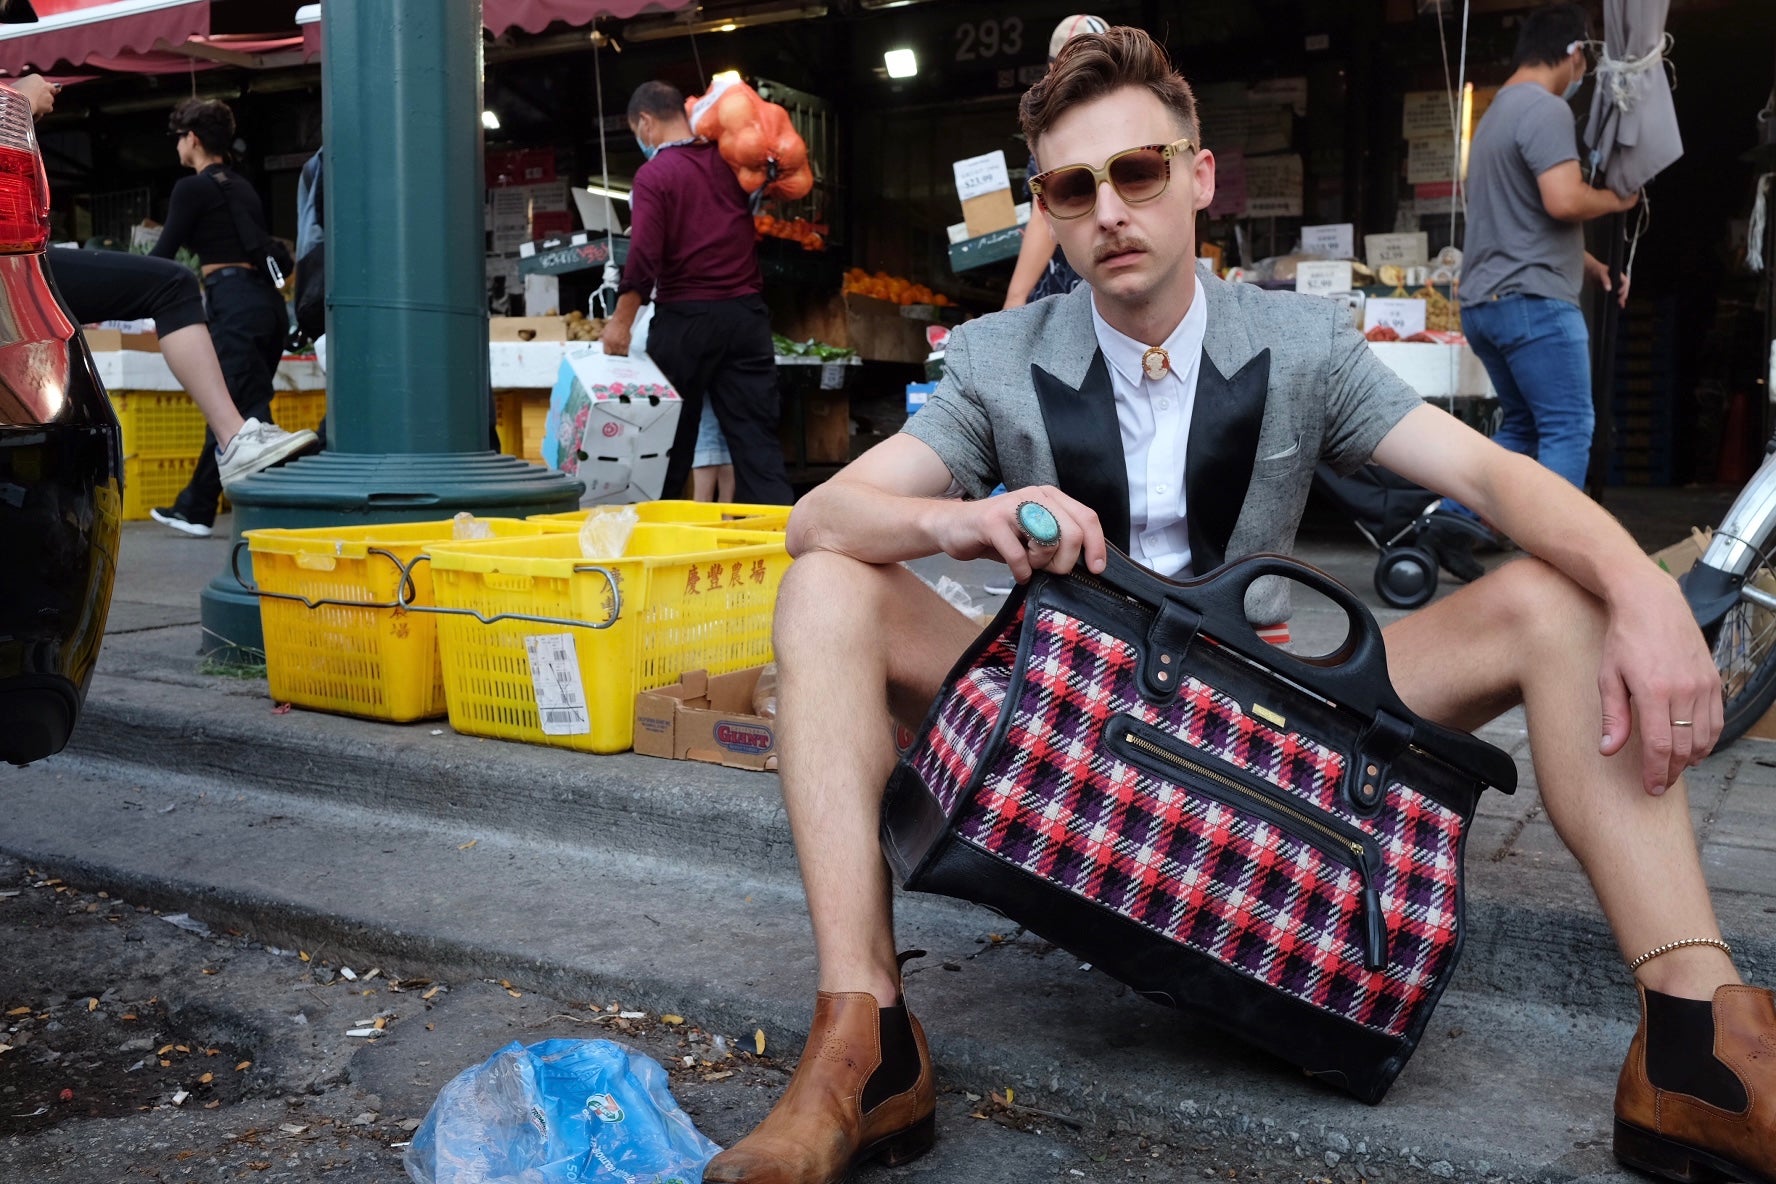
point(1401, 250)
point(1336, 241)
point(1323, 277)
point(980, 175)
point(1404, 317)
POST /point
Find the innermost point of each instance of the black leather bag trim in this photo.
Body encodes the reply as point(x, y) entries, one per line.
point(1344, 1054)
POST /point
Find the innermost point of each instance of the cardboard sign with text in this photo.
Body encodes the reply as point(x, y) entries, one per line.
point(707, 718)
point(984, 186)
point(1323, 277)
point(1403, 316)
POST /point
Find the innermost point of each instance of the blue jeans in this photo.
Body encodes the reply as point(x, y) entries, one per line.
point(1538, 355)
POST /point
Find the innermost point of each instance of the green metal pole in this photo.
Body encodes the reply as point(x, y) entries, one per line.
point(408, 410)
point(407, 300)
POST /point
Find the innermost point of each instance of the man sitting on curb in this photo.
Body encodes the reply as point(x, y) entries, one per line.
point(1179, 389)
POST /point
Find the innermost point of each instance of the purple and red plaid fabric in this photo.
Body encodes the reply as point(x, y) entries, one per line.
point(1058, 802)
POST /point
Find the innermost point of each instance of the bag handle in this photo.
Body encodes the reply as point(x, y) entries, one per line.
point(1355, 675)
point(1352, 672)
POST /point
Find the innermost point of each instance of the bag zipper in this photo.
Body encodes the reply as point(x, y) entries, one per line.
point(1345, 844)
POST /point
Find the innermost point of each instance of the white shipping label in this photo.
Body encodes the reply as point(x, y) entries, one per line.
point(555, 674)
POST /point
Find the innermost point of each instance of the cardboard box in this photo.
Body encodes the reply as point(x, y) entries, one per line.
point(106, 340)
point(625, 436)
point(526, 329)
point(704, 718)
point(1681, 556)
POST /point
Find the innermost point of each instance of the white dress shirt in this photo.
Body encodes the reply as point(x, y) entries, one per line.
point(1154, 416)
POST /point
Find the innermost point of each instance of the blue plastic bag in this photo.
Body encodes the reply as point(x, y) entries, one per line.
point(556, 1112)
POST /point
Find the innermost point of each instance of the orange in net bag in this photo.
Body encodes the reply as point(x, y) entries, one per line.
point(756, 138)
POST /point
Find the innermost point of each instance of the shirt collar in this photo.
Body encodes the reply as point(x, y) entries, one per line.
point(1124, 352)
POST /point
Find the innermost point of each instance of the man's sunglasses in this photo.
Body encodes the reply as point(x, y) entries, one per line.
point(1137, 174)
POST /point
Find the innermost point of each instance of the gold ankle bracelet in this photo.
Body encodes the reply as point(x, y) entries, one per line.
point(1678, 945)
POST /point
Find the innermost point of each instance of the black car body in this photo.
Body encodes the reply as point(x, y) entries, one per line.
point(61, 473)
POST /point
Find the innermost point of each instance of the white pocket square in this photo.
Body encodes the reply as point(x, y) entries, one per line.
point(1286, 453)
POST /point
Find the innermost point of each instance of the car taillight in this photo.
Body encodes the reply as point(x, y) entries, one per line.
point(24, 187)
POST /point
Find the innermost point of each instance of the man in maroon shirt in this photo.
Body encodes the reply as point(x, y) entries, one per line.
point(691, 248)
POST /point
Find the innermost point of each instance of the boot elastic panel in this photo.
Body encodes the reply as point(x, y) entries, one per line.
point(1680, 1052)
point(899, 1070)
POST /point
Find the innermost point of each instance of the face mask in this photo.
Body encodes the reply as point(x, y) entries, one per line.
point(647, 149)
point(1572, 88)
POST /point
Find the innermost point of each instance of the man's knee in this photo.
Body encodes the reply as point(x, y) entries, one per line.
point(1538, 603)
point(823, 593)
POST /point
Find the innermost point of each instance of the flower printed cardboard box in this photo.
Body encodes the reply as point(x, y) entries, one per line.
point(611, 423)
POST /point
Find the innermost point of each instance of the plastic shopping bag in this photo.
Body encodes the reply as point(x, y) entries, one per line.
point(556, 1112)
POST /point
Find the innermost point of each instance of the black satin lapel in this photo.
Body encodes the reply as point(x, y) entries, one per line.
point(1087, 444)
point(1222, 452)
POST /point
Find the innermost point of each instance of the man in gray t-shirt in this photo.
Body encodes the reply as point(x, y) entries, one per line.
point(1524, 258)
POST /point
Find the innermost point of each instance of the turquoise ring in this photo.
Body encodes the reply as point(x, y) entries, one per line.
point(1037, 524)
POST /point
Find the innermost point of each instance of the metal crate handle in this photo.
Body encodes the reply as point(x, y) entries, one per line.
point(610, 578)
point(401, 589)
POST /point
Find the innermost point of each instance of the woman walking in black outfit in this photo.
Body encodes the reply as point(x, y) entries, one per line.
point(211, 212)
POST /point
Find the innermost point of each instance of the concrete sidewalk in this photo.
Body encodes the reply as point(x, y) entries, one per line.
point(674, 884)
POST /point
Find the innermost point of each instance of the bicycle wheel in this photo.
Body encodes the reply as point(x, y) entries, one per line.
point(1744, 647)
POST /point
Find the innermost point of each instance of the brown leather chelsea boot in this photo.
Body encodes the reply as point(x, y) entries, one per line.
point(837, 1111)
point(1697, 1114)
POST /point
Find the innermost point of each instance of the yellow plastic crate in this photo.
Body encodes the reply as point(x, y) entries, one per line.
point(533, 424)
point(737, 515)
point(159, 424)
point(296, 411)
point(521, 417)
point(359, 657)
point(691, 598)
point(150, 481)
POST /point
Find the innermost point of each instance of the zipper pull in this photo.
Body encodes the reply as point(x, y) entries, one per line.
point(1374, 927)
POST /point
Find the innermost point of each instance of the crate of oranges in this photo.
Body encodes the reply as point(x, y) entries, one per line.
point(892, 288)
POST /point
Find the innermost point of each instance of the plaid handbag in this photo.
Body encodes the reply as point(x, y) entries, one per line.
point(1272, 842)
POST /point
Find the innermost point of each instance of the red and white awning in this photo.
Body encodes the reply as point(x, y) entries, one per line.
point(533, 16)
point(73, 31)
point(154, 36)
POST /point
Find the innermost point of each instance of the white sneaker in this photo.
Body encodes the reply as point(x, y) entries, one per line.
point(180, 523)
point(258, 446)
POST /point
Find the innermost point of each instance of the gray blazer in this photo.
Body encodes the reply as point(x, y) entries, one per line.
point(1285, 384)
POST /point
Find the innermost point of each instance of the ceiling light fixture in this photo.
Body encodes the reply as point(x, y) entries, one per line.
point(490, 121)
point(901, 63)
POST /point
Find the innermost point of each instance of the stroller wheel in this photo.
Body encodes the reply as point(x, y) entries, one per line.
point(1406, 577)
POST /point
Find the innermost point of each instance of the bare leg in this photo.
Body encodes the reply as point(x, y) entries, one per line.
point(858, 646)
point(703, 484)
point(1528, 634)
point(724, 483)
point(192, 359)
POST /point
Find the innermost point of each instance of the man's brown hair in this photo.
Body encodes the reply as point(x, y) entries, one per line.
point(1093, 65)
